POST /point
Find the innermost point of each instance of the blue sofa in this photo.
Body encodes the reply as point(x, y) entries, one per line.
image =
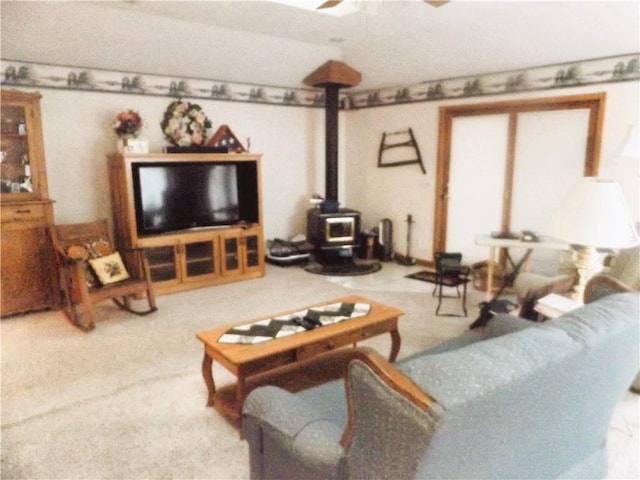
point(515, 399)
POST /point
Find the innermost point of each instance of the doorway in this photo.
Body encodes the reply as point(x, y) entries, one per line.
point(504, 166)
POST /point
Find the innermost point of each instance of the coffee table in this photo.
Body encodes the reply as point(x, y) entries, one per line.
point(284, 360)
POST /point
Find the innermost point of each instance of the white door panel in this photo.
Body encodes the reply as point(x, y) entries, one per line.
point(550, 151)
point(476, 181)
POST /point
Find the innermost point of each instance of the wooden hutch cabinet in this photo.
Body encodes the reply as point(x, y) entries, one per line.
point(28, 272)
point(186, 258)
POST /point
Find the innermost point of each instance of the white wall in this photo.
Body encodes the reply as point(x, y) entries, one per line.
point(397, 191)
point(78, 138)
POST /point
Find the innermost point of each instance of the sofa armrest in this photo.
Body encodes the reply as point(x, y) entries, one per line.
point(280, 409)
point(289, 438)
point(390, 376)
point(388, 430)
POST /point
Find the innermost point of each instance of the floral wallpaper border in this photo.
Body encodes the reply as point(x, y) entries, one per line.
point(595, 71)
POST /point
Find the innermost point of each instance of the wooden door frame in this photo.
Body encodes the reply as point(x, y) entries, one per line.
point(595, 103)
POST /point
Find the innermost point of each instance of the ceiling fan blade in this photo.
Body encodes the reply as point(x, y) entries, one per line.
point(436, 3)
point(329, 4)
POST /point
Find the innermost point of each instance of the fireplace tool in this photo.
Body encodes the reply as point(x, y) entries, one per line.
point(407, 259)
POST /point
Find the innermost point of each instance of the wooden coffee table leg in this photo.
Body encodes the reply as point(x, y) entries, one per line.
point(395, 345)
point(207, 374)
point(240, 393)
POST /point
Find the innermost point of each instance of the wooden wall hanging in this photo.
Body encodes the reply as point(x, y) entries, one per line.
point(396, 158)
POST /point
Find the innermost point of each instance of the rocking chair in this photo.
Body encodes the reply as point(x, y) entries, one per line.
point(92, 271)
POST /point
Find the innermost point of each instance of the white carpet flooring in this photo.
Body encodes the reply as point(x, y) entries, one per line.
point(127, 400)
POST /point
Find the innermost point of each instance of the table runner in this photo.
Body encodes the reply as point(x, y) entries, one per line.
point(292, 323)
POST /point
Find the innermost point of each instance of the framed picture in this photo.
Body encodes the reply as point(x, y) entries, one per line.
point(109, 269)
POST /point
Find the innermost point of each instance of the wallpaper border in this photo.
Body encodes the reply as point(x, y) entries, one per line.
point(620, 68)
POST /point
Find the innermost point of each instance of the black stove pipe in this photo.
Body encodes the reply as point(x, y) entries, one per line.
point(331, 142)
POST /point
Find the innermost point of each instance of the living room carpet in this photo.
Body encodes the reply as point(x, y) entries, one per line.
point(127, 400)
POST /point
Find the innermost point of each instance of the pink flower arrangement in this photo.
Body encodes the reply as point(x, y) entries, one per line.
point(127, 123)
point(185, 124)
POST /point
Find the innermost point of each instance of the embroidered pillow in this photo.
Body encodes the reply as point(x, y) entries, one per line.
point(86, 251)
point(109, 268)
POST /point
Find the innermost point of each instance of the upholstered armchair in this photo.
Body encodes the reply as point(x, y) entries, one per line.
point(623, 276)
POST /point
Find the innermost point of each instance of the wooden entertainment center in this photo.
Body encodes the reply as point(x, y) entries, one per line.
point(193, 257)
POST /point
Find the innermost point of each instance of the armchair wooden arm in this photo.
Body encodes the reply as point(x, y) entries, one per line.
point(596, 284)
point(61, 255)
point(390, 375)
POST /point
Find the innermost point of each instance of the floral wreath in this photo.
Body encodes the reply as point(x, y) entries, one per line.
point(185, 124)
point(127, 122)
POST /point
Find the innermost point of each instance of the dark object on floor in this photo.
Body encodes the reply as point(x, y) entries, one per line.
point(288, 252)
point(492, 307)
point(486, 308)
point(345, 269)
point(450, 272)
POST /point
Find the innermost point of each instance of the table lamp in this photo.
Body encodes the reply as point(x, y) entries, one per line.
point(593, 216)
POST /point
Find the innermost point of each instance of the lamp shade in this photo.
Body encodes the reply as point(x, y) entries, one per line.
point(594, 214)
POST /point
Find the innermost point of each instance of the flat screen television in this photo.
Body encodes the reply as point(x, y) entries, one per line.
point(173, 196)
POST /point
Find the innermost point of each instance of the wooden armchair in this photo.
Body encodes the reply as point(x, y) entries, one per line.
point(92, 271)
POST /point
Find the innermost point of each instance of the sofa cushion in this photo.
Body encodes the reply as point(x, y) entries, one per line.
point(329, 400)
point(459, 376)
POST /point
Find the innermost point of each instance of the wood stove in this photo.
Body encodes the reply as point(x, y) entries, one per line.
point(334, 235)
point(333, 231)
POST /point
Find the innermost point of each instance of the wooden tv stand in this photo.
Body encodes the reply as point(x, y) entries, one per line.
point(187, 259)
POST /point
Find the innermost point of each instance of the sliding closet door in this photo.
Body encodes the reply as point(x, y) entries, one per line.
point(476, 182)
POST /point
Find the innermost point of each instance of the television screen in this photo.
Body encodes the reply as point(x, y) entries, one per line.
point(171, 196)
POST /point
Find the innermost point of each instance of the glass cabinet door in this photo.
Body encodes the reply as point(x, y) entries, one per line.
point(162, 263)
point(199, 258)
point(231, 254)
point(14, 151)
point(252, 251)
